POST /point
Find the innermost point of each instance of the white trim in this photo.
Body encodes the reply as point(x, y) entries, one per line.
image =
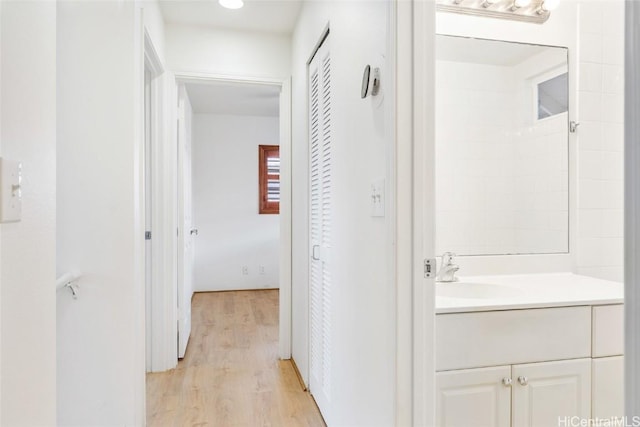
point(285, 220)
point(632, 210)
point(284, 340)
point(138, 350)
point(195, 77)
point(163, 297)
point(402, 58)
point(423, 212)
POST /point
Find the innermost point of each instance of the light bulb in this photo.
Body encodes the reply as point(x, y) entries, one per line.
point(231, 4)
point(550, 5)
point(521, 3)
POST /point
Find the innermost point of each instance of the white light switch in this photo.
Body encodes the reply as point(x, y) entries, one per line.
point(10, 191)
point(377, 198)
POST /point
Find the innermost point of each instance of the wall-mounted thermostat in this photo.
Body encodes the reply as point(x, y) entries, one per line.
point(10, 191)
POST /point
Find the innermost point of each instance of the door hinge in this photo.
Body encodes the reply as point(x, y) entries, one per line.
point(147, 235)
point(429, 268)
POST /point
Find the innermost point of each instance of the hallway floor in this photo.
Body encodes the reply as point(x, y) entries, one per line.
point(231, 374)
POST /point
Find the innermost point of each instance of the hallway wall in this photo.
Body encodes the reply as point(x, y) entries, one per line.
point(27, 260)
point(100, 232)
point(225, 204)
point(363, 293)
point(227, 52)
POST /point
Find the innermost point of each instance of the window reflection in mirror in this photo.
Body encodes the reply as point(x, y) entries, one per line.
point(502, 183)
point(553, 96)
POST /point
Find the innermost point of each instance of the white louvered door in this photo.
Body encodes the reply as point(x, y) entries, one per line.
point(320, 156)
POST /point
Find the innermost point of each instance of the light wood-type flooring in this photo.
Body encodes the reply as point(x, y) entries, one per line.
point(231, 374)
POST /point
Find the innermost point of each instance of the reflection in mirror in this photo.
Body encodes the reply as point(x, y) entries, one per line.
point(502, 175)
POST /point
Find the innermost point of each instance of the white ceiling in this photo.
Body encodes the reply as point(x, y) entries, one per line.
point(234, 99)
point(491, 52)
point(274, 16)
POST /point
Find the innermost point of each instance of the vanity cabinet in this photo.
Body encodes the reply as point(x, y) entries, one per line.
point(545, 392)
point(474, 397)
point(526, 368)
point(608, 387)
point(527, 395)
point(607, 369)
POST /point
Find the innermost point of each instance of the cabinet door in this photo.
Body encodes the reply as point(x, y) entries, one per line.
point(544, 394)
point(608, 387)
point(473, 398)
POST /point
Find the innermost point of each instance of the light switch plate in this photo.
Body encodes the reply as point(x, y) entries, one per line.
point(10, 191)
point(377, 198)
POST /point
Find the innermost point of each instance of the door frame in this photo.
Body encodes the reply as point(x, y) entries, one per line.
point(162, 304)
point(631, 212)
point(413, 23)
point(285, 216)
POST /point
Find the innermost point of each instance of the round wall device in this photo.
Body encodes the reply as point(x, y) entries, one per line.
point(365, 82)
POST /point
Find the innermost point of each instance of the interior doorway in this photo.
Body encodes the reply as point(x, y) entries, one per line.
point(226, 240)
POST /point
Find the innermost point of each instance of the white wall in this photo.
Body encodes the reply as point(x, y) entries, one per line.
point(231, 233)
point(228, 53)
point(363, 314)
point(600, 139)
point(100, 350)
point(28, 86)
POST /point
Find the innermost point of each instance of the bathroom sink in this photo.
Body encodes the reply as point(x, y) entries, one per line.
point(474, 290)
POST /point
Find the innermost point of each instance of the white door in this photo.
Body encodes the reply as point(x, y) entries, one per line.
point(320, 157)
point(474, 397)
point(186, 232)
point(544, 393)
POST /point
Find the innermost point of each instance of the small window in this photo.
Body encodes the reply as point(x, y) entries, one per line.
point(553, 96)
point(269, 175)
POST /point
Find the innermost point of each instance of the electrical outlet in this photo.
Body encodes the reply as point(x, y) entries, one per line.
point(245, 270)
point(261, 270)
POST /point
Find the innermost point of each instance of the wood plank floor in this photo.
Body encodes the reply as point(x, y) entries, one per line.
point(231, 374)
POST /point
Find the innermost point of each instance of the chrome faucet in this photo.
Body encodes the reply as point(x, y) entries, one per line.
point(448, 269)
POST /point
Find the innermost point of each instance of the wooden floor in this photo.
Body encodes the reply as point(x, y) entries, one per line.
point(231, 375)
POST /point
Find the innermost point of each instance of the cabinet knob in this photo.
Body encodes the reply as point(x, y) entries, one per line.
point(523, 380)
point(506, 382)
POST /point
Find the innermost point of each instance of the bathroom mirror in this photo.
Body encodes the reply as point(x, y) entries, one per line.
point(502, 144)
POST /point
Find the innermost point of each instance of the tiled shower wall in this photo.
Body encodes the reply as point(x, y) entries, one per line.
point(599, 243)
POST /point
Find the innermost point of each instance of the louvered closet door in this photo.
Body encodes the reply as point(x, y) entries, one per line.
point(320, 154)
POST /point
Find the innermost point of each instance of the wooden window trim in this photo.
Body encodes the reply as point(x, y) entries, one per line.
point(264, 152)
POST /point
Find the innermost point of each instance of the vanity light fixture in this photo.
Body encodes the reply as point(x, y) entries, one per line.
point(534, 11)
point(517, 4)
point(231, 4)
point(548, 6)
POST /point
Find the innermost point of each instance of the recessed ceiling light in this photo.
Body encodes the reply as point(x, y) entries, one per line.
point(231, 4)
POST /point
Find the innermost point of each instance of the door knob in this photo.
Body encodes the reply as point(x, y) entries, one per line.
point(523, 380)
point(506, 381)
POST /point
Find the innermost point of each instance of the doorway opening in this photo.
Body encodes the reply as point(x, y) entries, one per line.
point(227, 240)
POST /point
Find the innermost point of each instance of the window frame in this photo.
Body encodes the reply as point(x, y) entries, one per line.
point(265, 152)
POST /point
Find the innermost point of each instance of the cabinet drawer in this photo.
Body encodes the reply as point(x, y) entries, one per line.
point(608, 330)
point(468, 340)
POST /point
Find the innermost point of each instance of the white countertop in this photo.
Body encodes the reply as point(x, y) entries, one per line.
point(527, 291)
